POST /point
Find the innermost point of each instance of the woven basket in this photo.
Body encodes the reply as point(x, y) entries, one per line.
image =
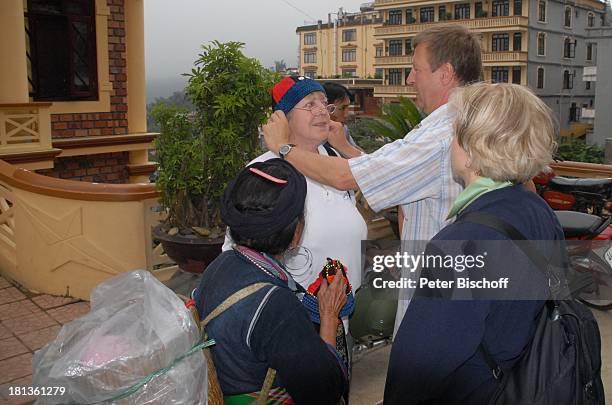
point(215, 395)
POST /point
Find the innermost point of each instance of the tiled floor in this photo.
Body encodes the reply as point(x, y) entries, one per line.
point(27, 323)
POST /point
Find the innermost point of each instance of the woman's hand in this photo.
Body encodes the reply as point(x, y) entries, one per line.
point(276, 131)
point(331, 299)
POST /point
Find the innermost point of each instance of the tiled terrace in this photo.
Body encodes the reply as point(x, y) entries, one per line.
point(27, 322)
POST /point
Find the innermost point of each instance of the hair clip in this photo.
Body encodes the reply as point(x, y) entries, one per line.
point(267, 176)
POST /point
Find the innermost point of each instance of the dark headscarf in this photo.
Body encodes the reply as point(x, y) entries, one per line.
point(254, 224)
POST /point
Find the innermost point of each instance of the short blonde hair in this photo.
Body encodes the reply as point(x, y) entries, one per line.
point(507, 132)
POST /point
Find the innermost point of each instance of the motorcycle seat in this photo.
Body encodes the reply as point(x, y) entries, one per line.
point(582, 183)
point(578, 223)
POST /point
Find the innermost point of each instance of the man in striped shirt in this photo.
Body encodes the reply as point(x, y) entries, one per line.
point(413, 172)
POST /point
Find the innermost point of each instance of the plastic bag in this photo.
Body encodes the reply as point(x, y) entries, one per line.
point(136, 326)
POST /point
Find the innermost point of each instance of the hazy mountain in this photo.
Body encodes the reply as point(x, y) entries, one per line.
point(164, 87)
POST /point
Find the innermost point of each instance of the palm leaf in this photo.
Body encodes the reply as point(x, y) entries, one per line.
point(396, 120)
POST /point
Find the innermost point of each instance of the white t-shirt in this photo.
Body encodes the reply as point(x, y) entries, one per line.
point(334, 228)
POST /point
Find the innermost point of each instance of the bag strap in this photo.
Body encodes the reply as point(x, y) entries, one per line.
point(508, 230)
point(227, 304)
point(233, 299)
point(330, 150)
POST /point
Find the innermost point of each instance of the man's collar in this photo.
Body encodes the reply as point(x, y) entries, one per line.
point(436, 114)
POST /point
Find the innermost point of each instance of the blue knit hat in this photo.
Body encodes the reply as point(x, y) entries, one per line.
point(289, 91)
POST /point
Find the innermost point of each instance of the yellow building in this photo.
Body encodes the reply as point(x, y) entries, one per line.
point(502, 29)
point(538, 43)
point(72, 89)
point(344, 47)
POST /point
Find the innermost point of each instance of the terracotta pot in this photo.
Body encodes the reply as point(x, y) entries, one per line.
point(192, 253)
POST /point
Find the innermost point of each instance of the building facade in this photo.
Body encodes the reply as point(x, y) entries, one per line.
point(597, 74)
point(72, 89)
point(543, 44)
point(344, 47)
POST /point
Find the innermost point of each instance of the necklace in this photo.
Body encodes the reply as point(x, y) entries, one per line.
point(259, 266)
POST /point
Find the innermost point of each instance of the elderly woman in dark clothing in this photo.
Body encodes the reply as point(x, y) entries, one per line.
point(270, 329)
point(504, 135)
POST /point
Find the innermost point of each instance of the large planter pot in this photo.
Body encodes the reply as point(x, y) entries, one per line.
point(192, 253)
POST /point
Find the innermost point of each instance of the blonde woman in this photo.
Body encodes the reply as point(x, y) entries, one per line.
point(503, 136)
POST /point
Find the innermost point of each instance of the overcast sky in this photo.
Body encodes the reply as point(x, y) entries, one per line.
point(174, 30)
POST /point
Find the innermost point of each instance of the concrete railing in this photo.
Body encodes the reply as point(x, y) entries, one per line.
point(583, 170)
point(385, 61)
point(64, 237)
point(394, 90)
point(25, 127)
point(475, 24)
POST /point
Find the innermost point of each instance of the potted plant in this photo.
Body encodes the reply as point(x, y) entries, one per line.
point(200, 151)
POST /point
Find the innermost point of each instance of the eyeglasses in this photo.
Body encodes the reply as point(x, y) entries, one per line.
point(329, 108)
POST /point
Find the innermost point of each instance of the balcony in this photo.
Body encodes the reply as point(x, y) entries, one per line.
point(393, 61)
point(494, 58)
point(388, 4)
point(394, 91)
point(589, 74)
point(588, 115)
point(25, 135)
point(477, 24)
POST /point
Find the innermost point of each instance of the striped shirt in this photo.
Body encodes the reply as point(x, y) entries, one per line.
point(414, 172)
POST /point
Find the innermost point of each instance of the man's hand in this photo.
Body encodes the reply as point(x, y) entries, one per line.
point(276, 131)
point(337, 138)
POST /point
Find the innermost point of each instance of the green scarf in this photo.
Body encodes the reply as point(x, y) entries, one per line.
point(479, 187)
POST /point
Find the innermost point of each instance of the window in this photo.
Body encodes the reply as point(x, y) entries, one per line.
point(349, 55)
point(587, 85)
point(568, 17)
point(589, 55)
point(310, 73)
point(541, 44)
point(542, 10)
point(500, 8)
point(349, 35)
point(499, 74)
point(517, 41)
point(310, 38)
point(516, 75)
point(569, 48)
point(408, 47)
point(540, 81)
point(62, 51)
point(518, 7)
point(478, 10)
point(442, 13)
point(590, 20)
point(310, 57)
point(395, 47)
point(349, 73)
point(462, 11)
point(395, 76)
point(378, 73)
point(568, 80)
point(574, 113)
point(501, 42)
point(379, 51)
point(410, 17)
point(427, 14)
point(395, 17)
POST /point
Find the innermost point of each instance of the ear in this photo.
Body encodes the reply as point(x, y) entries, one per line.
point(297, 235)
point(447, 74)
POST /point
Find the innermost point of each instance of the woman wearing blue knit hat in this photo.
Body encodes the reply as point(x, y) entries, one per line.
point(334, 227)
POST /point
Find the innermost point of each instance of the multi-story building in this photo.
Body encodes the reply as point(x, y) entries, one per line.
point(342, 47)
point(72, 89)
point(598, 113)
point(538, 43)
